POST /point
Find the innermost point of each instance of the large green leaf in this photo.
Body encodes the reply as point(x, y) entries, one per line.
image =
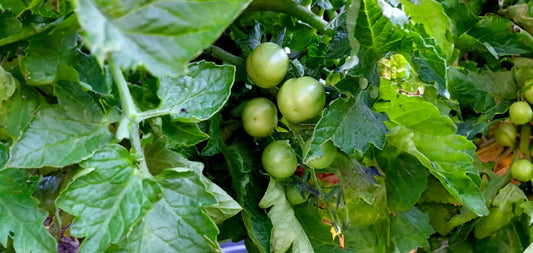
point(198, 95)
point(20, 217)
point(160, 158)
point(8, 84)
point(62, 134)
point(418, 128)
point(286, 231)
point(241, 161)
point(410, 230)
point(48, 50)
point(177, 222)
point(351, 125)
point(161, 36)
point(108, 199)
point(405, 178)
point(436, 23)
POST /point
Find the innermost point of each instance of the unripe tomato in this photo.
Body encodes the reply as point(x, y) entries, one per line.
point(295, 196)
point(259, 117)
point(267, 65)
point(279, 159)
point(301, 99)
point(505, 134)
point(328, 156)
point(527, 91)
point(520, 112)
point(522, 170)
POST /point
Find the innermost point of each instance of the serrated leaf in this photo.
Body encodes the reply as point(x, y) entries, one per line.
point(286, 230)
point(20, 217)
point(48, 50)
point(496, 35)
point(108, 200)
point(62, 134)
point(198, 95)
point(177, 222)
point(418, 128)
point(410, 230)
point(241, 161)
point(405, 179)
point(350, 125)
point(161, 36)
point(436, 23)
point(159, 158)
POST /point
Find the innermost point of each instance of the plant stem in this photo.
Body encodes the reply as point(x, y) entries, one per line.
point(225, 56)
point(525, 133)
point(130, 112)
point(152, 114)
point(290, 8)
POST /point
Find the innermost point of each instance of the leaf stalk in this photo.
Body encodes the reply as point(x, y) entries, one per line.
point(290, 8)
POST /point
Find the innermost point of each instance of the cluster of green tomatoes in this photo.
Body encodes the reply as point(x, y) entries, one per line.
point(506, 133)
point(298, 100)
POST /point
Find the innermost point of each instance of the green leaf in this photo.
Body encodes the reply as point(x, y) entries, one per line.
point(410, 230)
point(501, 212)
point(519, 14)
point(159, 158)
point(436, 23)
point(198, 95)
point(215, 144)
point(286, 230)
point(8, 84)
point(17, 113)
point(496, 35)
point(418, 128)
point(405, 178)
point(108, 199)
point(351, 125)
point(177, 222)
point(20, 217)
point(160, 36)
point(183, 134)
point(62, 134)
point(48, 50)
point(241, 161)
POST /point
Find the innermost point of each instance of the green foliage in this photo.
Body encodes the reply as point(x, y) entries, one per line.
point(121, 128)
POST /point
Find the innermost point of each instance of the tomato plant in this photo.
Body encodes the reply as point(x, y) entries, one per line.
point(405, 125)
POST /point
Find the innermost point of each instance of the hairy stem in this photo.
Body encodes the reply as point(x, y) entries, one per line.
point(525, 133)
point(290, 8)
point(130, 112)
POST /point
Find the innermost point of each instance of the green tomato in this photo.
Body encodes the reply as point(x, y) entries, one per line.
point(301, 99)
point(279, 159)
point(527, 91)
point(520, 112)
point(294, 195)
point(328, 156)
point(522, 170)
point(267, 65)
point(259, 117)
point(505, 134)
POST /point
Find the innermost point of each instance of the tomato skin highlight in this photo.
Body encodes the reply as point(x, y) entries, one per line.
point(520, 112)
point(279, 159)
point(300, 99)
point(267, 65)
point(522, 170)
point(505, 134)
point(259, 117)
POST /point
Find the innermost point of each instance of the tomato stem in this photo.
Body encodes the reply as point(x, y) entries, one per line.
point(290, 8)
point(130, 112)
point(525, 133)
point(222, 54)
